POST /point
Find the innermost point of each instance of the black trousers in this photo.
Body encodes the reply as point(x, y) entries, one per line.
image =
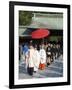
point(30, 70)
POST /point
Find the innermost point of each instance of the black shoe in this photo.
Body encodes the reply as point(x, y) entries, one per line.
point(34, 71)
point(48, 64)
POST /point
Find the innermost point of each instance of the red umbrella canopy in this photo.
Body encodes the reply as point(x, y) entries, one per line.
point(40, 33)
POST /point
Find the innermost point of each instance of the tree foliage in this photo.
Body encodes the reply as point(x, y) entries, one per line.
point(25, 17)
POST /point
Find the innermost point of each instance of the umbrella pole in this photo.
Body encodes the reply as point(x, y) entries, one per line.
point(43, 40)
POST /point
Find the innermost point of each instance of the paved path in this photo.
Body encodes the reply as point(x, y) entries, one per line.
point(53, 70)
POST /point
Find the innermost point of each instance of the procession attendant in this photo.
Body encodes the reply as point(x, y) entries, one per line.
point(48, 51)
point(57, 51)
point(31, 60)
point(54, 52)
point(36, 60)
point(42, 53)
point(51, 52)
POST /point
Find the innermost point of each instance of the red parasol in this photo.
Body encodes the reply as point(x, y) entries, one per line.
point(40, 33)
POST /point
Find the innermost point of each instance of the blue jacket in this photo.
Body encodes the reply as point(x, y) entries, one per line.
point(25, 48)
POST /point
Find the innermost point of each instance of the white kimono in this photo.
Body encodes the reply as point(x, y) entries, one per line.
point(36, 60)
point(31, 58)
point(42, 56)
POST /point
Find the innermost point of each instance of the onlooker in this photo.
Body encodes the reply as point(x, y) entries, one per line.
point(25, 54)
point(20, 52)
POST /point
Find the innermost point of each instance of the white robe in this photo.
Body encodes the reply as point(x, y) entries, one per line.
point(36, 60)
point(42, 56)
point(31, 58)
